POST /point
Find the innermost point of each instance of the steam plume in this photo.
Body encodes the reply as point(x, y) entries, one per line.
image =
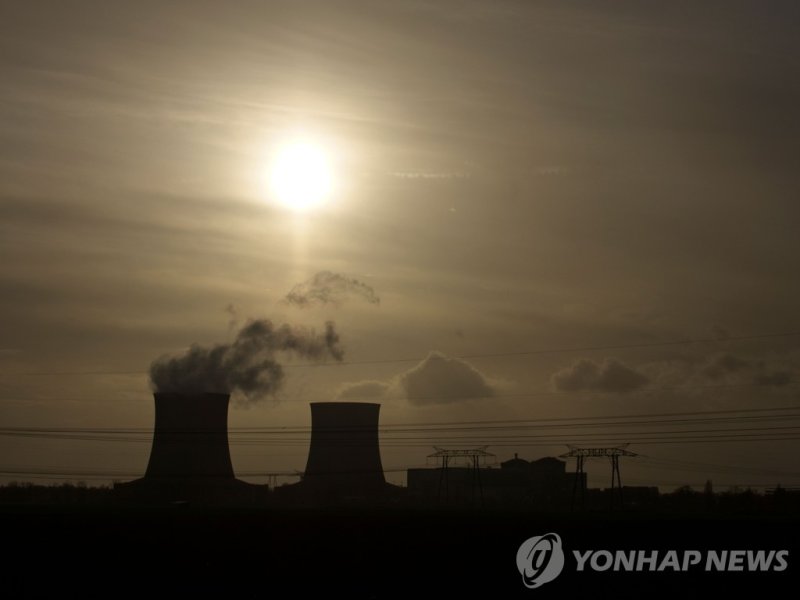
point(329, 288)
point(247, 365)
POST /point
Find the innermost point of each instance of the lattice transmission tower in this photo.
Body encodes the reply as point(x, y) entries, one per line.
point(581, 454)
point(474, 458)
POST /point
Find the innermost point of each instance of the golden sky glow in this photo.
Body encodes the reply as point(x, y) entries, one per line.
point(505, 176)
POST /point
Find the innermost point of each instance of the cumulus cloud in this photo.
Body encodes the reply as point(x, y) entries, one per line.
point(437, 379)
point(440, 380)
point(588, 376)
point(326, 288)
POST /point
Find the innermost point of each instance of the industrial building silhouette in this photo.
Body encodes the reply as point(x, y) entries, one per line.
point(543, 483)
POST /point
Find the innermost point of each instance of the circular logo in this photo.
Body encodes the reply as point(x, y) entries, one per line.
point(540, 559)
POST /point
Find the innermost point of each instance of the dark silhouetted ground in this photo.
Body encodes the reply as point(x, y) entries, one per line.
point(183, 551)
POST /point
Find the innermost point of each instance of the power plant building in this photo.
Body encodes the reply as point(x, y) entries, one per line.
point(542, 483)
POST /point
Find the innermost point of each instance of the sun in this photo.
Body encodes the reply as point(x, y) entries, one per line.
point(301, 176)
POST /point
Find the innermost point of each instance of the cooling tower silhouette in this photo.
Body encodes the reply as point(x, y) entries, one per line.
point(344, 459)
point(190, 458)
point(344, 452)
point(190, 439)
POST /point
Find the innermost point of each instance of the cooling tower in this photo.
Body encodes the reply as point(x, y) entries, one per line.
point(189, 458)
point(190, 439)
point(344, 452)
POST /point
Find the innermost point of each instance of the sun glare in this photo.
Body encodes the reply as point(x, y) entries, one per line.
point(300, 176)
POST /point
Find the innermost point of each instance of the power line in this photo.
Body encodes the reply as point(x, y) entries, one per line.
point(109, 474)
point(641, 391)
point(700, 484)
point(69, 473)
point(648, 390)
point(583, 421)
point(345, 432)
point(533, 352)
point(634, 415)
point(688, 466)
point(727, 434)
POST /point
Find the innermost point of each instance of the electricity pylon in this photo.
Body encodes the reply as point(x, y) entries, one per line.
point(580, 454)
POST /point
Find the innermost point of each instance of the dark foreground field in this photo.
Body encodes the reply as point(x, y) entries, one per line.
point(186, 552)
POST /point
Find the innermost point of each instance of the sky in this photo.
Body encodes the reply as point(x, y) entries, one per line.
point(532, 201)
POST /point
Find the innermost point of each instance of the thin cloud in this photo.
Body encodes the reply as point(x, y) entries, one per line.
point(774, 379)
point(429, 175)
point(589, 376)
point(735, 369)
point(364, 390)
point(724, 364)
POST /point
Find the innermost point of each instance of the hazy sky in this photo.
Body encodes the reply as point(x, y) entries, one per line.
point(511, 176)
